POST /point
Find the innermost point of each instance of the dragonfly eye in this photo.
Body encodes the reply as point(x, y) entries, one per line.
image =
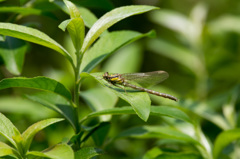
point(105, 75)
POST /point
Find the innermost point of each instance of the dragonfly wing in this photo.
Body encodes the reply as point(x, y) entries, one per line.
point(146, 79)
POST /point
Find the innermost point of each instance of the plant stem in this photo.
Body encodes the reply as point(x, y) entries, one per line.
point(77, 85)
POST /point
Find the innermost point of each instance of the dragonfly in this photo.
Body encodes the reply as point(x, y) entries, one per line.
point(146, 79)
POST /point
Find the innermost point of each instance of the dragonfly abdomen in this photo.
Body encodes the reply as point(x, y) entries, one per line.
point(150, 91)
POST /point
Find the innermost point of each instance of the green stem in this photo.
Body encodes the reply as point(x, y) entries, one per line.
point(77, 85)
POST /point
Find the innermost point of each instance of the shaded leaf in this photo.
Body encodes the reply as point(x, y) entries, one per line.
point(12, 52)
point(58, 104)
point(111, 18)
point(41, 83)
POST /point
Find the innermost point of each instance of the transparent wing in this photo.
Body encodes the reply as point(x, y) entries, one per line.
point(146, 79)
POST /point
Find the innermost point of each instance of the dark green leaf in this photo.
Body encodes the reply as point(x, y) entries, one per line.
point(58, 104)
point(41, 83)
point(13, 51)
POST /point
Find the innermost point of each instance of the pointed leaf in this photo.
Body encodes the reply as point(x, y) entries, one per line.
point(223, 139)
point(106, 45)
point(12, 51)
point(60, 151)
point(111, 18)
point(58, 104)
point(73, 10)
point(140, 101)
point(8, 130)
point(41, 83)
point(32, 35)
point(158, 132)
point(7, 150)
point(173, 112)
point(88, 153)
point(35, 128)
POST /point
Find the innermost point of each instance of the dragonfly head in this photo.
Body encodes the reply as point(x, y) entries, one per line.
point(105, 75)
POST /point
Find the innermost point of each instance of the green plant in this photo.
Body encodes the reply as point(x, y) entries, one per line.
point(177, 119)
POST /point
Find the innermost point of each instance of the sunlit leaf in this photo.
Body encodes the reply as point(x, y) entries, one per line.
point(8, 130)
point(224, 139)
point(111, 18)
point(35, 128)
point(140, 101)
point(60, 151)
point(7, 150)
point(32, 35)
point(88, 152)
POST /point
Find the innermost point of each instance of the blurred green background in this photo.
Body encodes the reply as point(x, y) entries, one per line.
point(197, 43)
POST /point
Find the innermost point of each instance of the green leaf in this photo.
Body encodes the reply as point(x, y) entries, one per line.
point(153, 153)
point(73, 10)
point(158, 132)
point(41, 83)
point(223, 139)
point(76, 30)
point(113, 41)
point(179, 156)
point(13, 51)
point(35, 128)
point(140, 101)
point(60, 151)
point(7, 150)
point(8, 130)
point(173, 112)
point(75, 26)
point(100, 99)
point(111, 18)
point(32, 35)
point(21, 10)
point(88, 153)
point(100, 134)
point(88, 17)
point(58, 104)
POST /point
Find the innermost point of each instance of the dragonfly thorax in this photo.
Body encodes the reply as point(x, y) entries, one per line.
point(113, 78)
